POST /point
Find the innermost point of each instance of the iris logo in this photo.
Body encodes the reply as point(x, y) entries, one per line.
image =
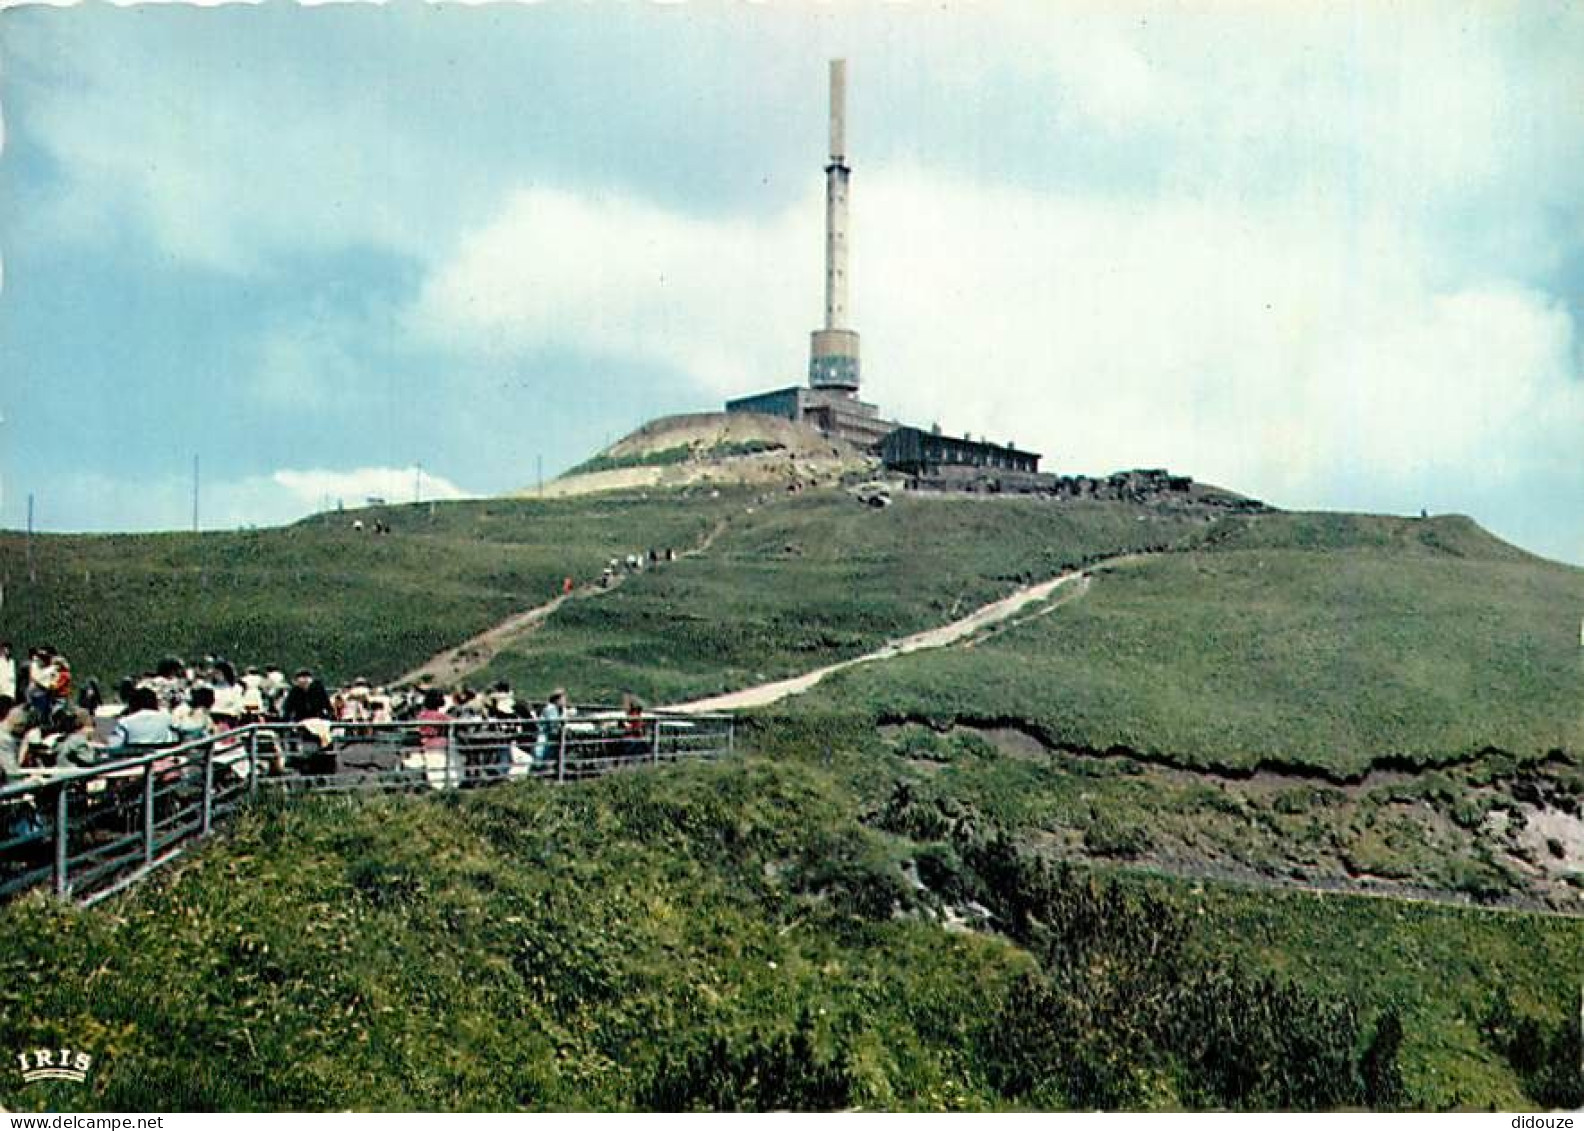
point(54, 1064)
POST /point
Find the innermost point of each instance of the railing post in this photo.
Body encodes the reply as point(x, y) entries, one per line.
point(453, 766)
point(252, 752)
point(731, 734)
point(148, 813)
point(654, 756)
point(62, 831)
point(561, 754)
point(208, 792)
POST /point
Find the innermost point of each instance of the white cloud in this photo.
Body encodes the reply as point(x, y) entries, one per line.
point(1314, 245)
point(225, 166)
point(393, 484)
point(1271, 347)
point(617, 276)
point(104, 503)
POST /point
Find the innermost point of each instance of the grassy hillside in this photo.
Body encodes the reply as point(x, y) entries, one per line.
point(817, 578)
point(1322, 642)
point(870, 912)
point(1445, 969)
point(319, 593)
point(1478, 832)
point(736, 936)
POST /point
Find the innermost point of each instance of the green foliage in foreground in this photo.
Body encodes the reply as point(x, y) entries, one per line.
point(1444, 968)
point(1439, 968)
point(319, 593)
point(1460, 832)
point(1329, 642)
point(716, 937)
point(807, 581)
point(1549, 1059)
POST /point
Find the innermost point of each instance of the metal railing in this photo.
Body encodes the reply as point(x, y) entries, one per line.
point(93, 831)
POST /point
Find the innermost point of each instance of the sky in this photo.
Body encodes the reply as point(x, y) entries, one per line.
point(1328, 255)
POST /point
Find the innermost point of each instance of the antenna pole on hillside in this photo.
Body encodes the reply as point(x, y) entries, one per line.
point(539, 470)
point(418, 483)
point(32, 576)
point(195, 493)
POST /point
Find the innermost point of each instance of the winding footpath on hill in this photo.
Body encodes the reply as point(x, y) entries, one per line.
point(455, 664)
point(1075, 582)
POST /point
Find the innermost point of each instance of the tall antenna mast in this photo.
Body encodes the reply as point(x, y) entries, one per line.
point(833, 353)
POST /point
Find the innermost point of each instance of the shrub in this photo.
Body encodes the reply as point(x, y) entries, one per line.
point(765, 1072)
point(1548, 1058)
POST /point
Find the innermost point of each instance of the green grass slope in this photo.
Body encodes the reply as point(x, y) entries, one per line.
point(750, 935)
point(1327, 643)
point(817, 578)
point(1446, 969)
point(319, 593)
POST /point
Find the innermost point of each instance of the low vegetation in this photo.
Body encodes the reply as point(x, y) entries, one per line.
point(1439, 966)
point(320, 593)
point(985, 877)
point(808, 580)
point(734, 936)
point(1460, 833)
point(1313, 643)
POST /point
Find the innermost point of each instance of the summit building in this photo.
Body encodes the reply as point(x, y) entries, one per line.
point(830, 401)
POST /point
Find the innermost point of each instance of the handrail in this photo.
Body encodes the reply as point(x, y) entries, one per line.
point(90, 831)
point(33, 778)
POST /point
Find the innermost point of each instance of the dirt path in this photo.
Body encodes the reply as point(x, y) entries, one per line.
point(454, 664)
point(995, 613)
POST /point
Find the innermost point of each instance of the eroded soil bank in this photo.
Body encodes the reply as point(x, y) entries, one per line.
point(1486, 829)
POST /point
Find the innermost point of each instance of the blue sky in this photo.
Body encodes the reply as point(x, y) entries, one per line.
point(1329, 255)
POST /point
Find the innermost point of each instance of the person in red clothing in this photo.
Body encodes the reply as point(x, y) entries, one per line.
point(433, 737)
point(634, 728)
point(61, 691)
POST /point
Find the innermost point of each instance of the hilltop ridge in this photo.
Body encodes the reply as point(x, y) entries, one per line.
point(1287, 701)
point(712, 449)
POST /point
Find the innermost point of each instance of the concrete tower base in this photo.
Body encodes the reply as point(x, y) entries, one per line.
point(833, 360)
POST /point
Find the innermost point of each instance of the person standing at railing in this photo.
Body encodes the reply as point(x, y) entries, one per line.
point(307, 705)
point(380, 709)
point(61, 688)
point(307, 699)
point(8, 672)
point(41, 681)
point(436, 760)
point(634, 728)
point(433, 737)
point(551, 720)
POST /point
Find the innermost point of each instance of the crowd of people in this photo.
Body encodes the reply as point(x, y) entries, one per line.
point(632, 563)
point(45, 722)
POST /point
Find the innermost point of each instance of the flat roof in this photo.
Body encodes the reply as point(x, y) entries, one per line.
point(989, 445)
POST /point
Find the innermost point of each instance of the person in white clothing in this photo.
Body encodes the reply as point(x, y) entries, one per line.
point(8, 687)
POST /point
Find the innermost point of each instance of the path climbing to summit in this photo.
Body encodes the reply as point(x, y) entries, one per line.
point(454, 664)
point(996, 613)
